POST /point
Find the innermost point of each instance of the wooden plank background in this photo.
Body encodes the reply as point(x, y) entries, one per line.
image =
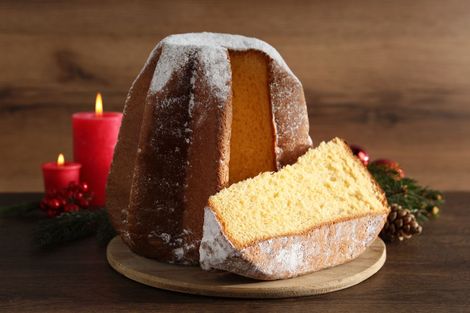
point(393, 76)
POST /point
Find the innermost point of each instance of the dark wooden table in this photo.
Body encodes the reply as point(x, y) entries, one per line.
point(430, 273)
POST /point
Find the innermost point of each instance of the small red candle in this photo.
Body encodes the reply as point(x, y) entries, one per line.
point(94, 138)
point(58, 175)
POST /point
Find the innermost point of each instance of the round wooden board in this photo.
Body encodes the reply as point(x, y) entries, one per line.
point(193, 280)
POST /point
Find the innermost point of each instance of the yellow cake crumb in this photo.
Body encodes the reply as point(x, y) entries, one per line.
point(325, 185)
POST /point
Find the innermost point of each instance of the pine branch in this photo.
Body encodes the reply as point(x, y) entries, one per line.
point(423, 202)
point(22, 210)
point(67, 227)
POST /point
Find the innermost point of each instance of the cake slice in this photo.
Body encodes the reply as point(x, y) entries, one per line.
point(322, 211)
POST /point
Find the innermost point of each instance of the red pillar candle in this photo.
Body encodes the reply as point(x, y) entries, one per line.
point(94, 138)
point(58, 175)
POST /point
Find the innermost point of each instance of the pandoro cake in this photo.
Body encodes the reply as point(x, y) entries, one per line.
point(206, 111)
point(322, 211)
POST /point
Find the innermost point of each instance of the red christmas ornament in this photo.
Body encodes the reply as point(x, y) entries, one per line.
point(391, 165)
point(360, 153)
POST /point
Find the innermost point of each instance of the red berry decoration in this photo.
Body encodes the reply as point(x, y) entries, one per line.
point(71, 207)
point(360, 153)
point(84, 187)
point(84, 203)
point(69, 194)
point(393, 165)
point(71, 199)
point(54, 204)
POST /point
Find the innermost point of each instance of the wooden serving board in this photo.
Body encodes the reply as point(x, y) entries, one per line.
point(193, 280)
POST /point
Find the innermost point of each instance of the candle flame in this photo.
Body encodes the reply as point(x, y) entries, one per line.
point(99, 105)
point(60, 160)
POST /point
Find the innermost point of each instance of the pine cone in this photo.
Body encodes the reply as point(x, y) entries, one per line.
point(401, 224)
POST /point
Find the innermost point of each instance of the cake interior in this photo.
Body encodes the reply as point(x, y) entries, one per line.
point(325, 185)
point(252, 133)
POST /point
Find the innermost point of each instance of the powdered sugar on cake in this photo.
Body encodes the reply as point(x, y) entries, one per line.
point(212, 50)
point(288, 256)
point(214, 62)
point(215, 248)
point(228, 41)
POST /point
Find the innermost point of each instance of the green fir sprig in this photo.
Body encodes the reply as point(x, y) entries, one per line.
point(422, 201)
point(67, 227)
point(72, 226)
point(22, 210)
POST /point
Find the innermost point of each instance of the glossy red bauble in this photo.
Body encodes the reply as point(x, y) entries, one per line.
point(360, 153)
